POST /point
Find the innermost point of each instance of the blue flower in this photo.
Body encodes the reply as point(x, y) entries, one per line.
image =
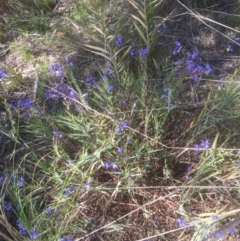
point(205, 144)
point(135, 103)
point(66, 239)
point(20, 182)
point(67, 191)
point(177, 44)
point(26, 116)
point(90, 82)
point(133, 52)
point(105, 78)
point(181, 222)
point(56, 212)
point(106, 164)
point(1, 74)
point(219, 234)
point(11, 106)
point(57, 69)
point(57, 134)
point(229, 48)
point(8, 207)
point(21, 228)
point(21, 103)
point(115, 166)
point(214, 217)
point(118, 41)
point(49, 210)
point(143, 52)
point(110, 88)
point(123, 125)
point(120, 150)
point(71, 64)
point(129, 141)
point(162, 28)
point(177, 48)
point(232, 230)
point(33, 234)
point(208, 69)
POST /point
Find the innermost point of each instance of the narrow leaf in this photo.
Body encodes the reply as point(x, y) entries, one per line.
point(98, 29)
point(134, 4)
point(140, 32)
point(139, 20)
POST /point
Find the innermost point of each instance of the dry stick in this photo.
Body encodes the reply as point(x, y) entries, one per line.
point(146, 204)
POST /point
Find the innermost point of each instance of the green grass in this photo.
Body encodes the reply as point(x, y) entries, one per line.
point(124, 144)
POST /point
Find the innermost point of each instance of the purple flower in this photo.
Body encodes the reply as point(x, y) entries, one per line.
point(67, 191)
point(49, 210)
point(135, 103)
point(33, 234)
point(90, 82)
point(57, 69)
point(214, 217)
point(21, 103)
point(208, 69)
point(133, 52)
point(129, 141)
point(21, 228)
point(229, 48)
point(166, 89)
point(177, 48)
point(8, 207)
point(27, 103)
point(11, 106)
point(118, 41)
point(26, 116)
point(205, 144)
point(88, 185)
point(106, 164)
point(57, 134)
point(120, 150)
point(20, 182)
point(177, 44)
point(71, 64)
point(66, 239)
point(123, 125)
point(1, 178)
point(62, 92)
point(1, 74)
point(56, 212)
point(219, 234)
point(143, 52)
point(162, 28)
point(195, 78)
point(181, 222)
point(232, 230)
point(115, 166)
point(110, 88)
point(105, 78)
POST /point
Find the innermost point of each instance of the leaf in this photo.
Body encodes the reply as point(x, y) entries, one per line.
point(139, 20)
point(98, 29)
point(125, 54)
point(134, 4)
point(96, 48)
point(140, 33)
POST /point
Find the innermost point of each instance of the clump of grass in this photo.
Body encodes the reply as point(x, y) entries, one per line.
point(140, 147)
